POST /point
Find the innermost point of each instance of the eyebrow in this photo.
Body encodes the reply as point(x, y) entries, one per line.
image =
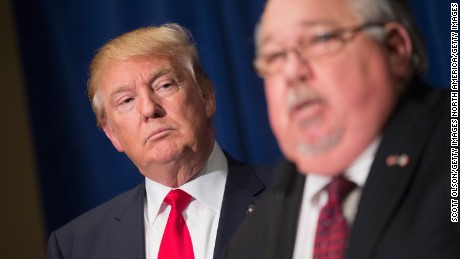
point(156, 73)
point(160, 72)
point(117, 90)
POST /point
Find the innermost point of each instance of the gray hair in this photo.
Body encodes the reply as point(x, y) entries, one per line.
point(396, 11)
point(386, 11)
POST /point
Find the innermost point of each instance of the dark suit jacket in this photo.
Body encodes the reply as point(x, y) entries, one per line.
point(116, 228)
point(404, 212)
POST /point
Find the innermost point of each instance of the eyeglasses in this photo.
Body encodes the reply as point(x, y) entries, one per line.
point(309, 46)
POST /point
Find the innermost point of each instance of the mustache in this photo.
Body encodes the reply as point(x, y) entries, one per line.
point(300, 95)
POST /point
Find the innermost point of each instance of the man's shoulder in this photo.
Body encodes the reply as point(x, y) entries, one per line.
point(264, 173)
point(102, 214)
point(261, 172)
point(432, 99)
point(273, 221)
point(422, 109)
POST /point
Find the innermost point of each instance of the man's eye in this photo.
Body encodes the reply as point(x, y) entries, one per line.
point(274, 57)
point(126, 101)
point(326, 37)
point(166, 86)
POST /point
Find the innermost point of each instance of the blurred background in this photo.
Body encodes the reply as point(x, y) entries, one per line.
point(57, 164)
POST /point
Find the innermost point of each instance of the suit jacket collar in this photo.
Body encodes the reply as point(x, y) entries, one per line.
point(406, 134)
point(241, 189)
point(128, 234)
point(285, 202)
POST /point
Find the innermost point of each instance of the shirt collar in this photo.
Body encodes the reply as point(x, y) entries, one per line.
point(208, 187)
point(357, 172)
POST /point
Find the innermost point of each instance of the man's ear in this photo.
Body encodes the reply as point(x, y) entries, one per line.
point(209, 98)
point(399, 46)
point(110, 133)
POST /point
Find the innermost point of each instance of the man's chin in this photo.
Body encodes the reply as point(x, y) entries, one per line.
point(318, 146)
point(319, 165)
point(164, 156)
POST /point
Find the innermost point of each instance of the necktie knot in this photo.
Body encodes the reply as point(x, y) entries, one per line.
point(178, 199)
point(339, 188)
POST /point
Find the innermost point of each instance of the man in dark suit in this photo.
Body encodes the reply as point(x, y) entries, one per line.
point(155, 103)
point(367, 142)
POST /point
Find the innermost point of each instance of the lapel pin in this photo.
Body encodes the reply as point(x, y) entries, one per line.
point(398, 160)
point(250, 209)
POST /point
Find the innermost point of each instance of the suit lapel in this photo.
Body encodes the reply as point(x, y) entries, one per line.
point(241, 189)
point(289, 192)
point(127, 235)
point(386, 185)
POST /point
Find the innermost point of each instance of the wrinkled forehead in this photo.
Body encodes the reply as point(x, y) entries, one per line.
point(144, 62)
point(295, 32)
point(284, 17)
point(138, 68)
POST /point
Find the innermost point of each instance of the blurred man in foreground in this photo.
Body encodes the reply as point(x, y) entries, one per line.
point(155, 103)
point(368, 140)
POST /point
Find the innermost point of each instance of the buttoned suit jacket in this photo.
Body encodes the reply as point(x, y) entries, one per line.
point(404, 210)
point(115, 229)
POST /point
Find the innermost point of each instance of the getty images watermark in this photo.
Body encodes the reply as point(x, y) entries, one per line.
point(454, 112)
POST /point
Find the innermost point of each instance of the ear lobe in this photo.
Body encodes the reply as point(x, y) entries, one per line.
point(210, 105)
point(209, 98)
point(110, 133)
point(399, 47)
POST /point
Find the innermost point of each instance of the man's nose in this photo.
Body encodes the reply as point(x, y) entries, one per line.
point(296, 67)
point(150, 105)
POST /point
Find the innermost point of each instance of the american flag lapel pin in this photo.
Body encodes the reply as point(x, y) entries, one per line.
point(250, 209)
point(398, 160)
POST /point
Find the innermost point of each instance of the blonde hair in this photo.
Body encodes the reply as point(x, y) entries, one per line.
point(171, 40)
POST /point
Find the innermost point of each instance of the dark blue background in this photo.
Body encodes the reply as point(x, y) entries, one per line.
point(79, 168)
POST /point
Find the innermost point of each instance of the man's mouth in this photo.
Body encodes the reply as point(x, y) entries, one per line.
point(307, 111)
point(158, 134)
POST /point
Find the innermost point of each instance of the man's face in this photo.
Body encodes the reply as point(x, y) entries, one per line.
point(326, 111)
point(155, 112)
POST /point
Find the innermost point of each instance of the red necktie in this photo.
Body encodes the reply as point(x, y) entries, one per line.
point(332, 229)
point(176, 242)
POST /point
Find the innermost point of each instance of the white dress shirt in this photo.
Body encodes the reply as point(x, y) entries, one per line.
point(315, 197)
point(202, 214)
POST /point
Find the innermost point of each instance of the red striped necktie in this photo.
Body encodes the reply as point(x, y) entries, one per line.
point(332, 229)
point(176, 242)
